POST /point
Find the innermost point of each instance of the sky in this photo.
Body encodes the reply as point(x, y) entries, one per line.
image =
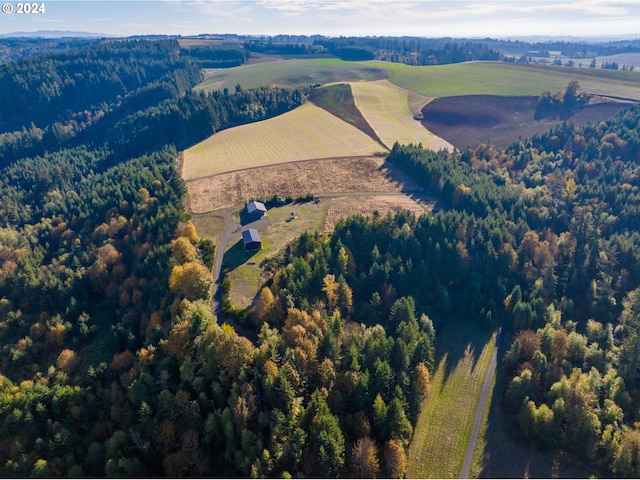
point(423, 18)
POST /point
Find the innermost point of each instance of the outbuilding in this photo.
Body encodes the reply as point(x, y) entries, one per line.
point(256, 210)
point(251, 240)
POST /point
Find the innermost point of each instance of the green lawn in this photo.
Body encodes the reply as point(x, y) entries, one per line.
point(246, 272)
point(445, 422)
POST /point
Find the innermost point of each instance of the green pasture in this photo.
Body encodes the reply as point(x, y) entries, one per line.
point(471, 78)
point(292, 72)
point(245, 270)
point(444, 425)
point(497, 78)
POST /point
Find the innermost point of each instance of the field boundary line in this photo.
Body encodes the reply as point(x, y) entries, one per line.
point(355, 157)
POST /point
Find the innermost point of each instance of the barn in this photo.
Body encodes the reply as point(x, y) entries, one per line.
point(251, 240)
point(256, 210)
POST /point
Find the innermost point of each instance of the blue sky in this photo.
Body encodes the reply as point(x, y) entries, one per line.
point(425, 18)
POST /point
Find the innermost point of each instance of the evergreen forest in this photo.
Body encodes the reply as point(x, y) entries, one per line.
point(113, 364)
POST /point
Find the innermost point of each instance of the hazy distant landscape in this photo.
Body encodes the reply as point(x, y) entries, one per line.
point(319, 256)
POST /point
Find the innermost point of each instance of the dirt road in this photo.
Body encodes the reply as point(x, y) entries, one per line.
point(230, 232)
point(482, 402)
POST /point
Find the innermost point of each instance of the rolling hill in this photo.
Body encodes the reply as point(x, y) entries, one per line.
point(306, 133)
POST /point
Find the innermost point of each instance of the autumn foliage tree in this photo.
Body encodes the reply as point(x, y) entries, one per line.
point(193, 280)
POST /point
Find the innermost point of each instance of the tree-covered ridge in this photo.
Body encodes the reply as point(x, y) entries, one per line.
point(581, 357)
point(16, 48)
point(91, 273)
point(208, 57)
point(44, 89)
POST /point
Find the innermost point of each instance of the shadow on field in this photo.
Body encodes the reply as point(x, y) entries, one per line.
point(236, 256)
point(411, 188)
point(460, 342)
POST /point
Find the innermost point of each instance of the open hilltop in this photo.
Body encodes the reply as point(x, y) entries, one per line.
point(386, 108)
point(332, 147)
point(306, 133)
point(471, 78)
point(291, 72)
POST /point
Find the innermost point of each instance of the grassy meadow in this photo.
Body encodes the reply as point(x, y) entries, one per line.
point(306, 133)
point(293, 72)
point(386, 108)
point(471, 78)
point(497, 78)
point(444, 425)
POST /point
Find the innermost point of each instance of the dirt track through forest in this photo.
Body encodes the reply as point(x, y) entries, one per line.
point(465, 471)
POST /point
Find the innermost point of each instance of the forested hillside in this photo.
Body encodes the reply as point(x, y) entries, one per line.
point(91, 203)
point(113, 364)
point(547, 233)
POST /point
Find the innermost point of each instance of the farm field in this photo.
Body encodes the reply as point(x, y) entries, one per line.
point(620, 58)
point(386, 108)
point(496, 78)
point(340, 175)
point(467, 121)
point(445, 422)
point(471, 78)
point(308, 132)
point(293, 72)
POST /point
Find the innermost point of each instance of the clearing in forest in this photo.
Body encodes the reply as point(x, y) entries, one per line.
point(386, 108)
point(306, 133)
point(341, 208)
point(444, 425)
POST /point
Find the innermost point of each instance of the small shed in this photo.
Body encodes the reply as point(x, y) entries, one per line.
point(256, 210)
point(251, 240)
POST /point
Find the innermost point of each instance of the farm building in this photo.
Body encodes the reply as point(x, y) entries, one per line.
point(251, 240)
point(256, 209)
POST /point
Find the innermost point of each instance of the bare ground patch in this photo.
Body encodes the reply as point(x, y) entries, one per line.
point(344, 207)
point(467, 121)
point(317, 177)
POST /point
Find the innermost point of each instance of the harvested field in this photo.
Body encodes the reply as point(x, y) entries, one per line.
point(386, 108)
point(338, 100)
point(345, 207)
point(340, 175)
point(467, 121)
point(306, 133)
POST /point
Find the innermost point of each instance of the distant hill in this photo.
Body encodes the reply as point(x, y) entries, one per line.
point(53, 34)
